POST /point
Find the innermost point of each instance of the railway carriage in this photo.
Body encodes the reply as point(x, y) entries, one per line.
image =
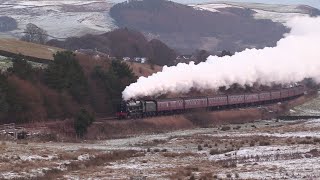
point(275, 95)
point(169, 105)
point(236, 99)
point(284, 93)
point(264, 96)
point(217, 102)
point(291, 92)
point(142, 108)
point(193, 103)
point(251, 98)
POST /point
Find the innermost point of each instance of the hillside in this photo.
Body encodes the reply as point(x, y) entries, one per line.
point(11, 47)
point(79, 17)
point(121, 43)
point(275, 12)
point(7, 24)
point(93, 17)
point(187, 29)
point(144, 69)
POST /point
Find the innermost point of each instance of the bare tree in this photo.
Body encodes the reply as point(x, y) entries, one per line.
point(35, 34)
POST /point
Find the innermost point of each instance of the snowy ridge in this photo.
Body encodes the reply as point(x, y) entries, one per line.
point(60, 19)
point(277, 13)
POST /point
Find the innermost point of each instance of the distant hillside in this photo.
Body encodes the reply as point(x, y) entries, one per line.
point(187, 29)
point(7, 24)
point(121, 43)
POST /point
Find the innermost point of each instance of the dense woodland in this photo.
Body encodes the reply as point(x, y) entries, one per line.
point(67, 86)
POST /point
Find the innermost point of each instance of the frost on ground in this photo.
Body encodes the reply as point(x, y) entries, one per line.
point(264, 149)
point(60, 19)
point(308, 108)
point(276, 13)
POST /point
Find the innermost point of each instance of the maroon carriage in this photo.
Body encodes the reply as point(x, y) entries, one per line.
point(236, 99)
point(291, 92)
point(191, 103)
point(264, 96)
point(216, 101)
point(275, 95)
point(169, 104)
point(251, 98)
point(284, 93)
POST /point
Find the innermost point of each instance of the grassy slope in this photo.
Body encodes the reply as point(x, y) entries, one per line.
point(144, 69)
point(28, 49)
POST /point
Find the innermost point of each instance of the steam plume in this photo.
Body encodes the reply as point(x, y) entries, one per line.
point(297, 56)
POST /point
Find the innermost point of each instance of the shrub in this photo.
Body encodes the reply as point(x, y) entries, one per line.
point(215, 176)
point(316, 140)
point(214, 151)
point(264, 143)
point(237, 128)
point(305, 142)
point(164, 150)
point(82, 121)
point(192, 177)
point(156, 150)
point(225, 128)
point(236, 175)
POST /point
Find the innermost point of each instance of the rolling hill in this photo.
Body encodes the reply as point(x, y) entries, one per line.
point(93, 17)
point(37, 52)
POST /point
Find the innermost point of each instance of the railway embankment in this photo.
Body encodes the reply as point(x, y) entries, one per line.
point(124, 128)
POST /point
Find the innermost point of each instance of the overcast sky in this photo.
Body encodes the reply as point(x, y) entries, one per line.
point(314, 3)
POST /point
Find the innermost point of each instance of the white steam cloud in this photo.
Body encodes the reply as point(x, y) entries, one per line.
point(295, 57)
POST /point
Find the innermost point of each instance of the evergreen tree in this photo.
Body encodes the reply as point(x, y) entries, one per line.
point(22, 68)
point(82, 121)
point(115, 79)
point(4, 106)
point(122, 70)
point(65, 73)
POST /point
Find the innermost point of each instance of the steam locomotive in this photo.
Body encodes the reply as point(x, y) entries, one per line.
point(146, 108)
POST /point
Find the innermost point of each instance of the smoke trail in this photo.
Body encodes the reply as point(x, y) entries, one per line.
point(295, 57)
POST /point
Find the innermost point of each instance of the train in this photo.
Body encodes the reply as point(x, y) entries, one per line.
point(156, 107)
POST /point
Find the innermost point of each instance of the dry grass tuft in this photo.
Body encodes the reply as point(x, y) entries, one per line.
point(179, 155)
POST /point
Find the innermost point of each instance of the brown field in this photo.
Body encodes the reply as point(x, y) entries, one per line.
point(28, 49)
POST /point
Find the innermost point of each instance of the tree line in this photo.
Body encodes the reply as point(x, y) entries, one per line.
point(60, 91)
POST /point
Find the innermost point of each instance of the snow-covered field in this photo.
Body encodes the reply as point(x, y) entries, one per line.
point(64, 18)
point(308, 108)
point(277, 13)
point(60, 18)
point(265, 149)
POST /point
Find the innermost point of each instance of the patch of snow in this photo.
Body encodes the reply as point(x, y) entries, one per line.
point(276, 13)
point(57, 20)
point(84, 157)
point(211, 7)
point(36, 157)
point(9, 175)
point(263, 151)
